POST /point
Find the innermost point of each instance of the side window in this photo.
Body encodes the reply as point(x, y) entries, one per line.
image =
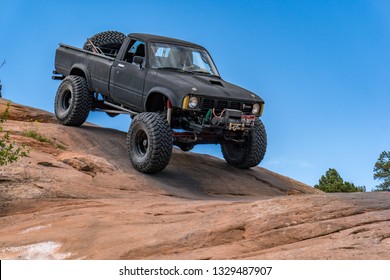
point(136, 48)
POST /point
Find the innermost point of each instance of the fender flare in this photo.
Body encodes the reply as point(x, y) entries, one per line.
point(77, 68)
point(176, 100)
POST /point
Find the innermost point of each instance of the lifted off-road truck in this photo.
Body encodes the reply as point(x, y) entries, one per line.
point(171, 89)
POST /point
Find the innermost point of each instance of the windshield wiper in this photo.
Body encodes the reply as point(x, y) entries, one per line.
point(206, 73)
point(186, 71)
point(173, 68)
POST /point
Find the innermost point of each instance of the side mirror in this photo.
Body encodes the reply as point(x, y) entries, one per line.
point(138, 60)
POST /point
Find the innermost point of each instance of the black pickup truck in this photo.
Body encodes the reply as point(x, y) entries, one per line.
point(171, 89)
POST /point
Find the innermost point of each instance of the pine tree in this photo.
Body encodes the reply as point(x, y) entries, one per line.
point(332, 182)
point(382, 171)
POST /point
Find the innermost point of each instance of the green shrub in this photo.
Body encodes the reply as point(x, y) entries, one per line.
point(9, 151)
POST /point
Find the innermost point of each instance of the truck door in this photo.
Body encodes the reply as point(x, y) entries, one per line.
point(127, 78)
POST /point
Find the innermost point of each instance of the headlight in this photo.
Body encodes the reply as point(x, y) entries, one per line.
point(193, 102)
point(256, 109)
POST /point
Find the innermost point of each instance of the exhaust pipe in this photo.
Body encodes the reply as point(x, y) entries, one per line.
point(57, 77)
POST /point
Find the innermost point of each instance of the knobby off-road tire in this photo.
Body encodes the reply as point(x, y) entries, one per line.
point(149, 142)
point(73, 101)
point(249, 153)
point(106, 40)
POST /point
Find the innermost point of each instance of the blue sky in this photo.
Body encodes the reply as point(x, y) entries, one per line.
point(322, 67)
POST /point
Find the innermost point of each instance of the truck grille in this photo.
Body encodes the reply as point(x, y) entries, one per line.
point(221, 104)
point(208, 103)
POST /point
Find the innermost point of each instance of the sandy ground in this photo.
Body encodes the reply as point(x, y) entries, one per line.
point(78, 197)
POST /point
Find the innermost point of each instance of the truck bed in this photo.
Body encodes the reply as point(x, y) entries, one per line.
point(70, 59)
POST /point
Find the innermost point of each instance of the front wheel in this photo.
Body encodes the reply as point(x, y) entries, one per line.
point(149, 142)
point(73, 101)
point(249, 153)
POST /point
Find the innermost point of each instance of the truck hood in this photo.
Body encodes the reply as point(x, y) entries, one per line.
point(203, 85)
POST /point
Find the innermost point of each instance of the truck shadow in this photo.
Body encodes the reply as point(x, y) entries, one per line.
point(193, 175)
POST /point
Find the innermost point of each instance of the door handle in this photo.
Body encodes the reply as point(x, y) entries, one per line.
point(121, 65)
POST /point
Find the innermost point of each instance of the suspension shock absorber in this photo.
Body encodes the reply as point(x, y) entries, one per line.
point(169, 111)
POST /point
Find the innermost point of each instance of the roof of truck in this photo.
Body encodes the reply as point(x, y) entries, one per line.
point(162, 39)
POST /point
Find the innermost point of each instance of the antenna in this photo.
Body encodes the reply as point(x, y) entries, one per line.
point(1, 86)
point(2, 64)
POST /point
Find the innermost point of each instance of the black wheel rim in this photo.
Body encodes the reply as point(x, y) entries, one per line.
point(66, 100)
point(141, 142)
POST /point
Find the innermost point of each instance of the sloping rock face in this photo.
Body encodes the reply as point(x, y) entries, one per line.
point(77, 197)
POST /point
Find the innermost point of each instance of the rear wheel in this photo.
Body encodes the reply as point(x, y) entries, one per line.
point(73, 101)
point(149, 142)
point(249, 153)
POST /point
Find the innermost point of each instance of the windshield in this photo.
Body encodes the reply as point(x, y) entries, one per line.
point(182, 58)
